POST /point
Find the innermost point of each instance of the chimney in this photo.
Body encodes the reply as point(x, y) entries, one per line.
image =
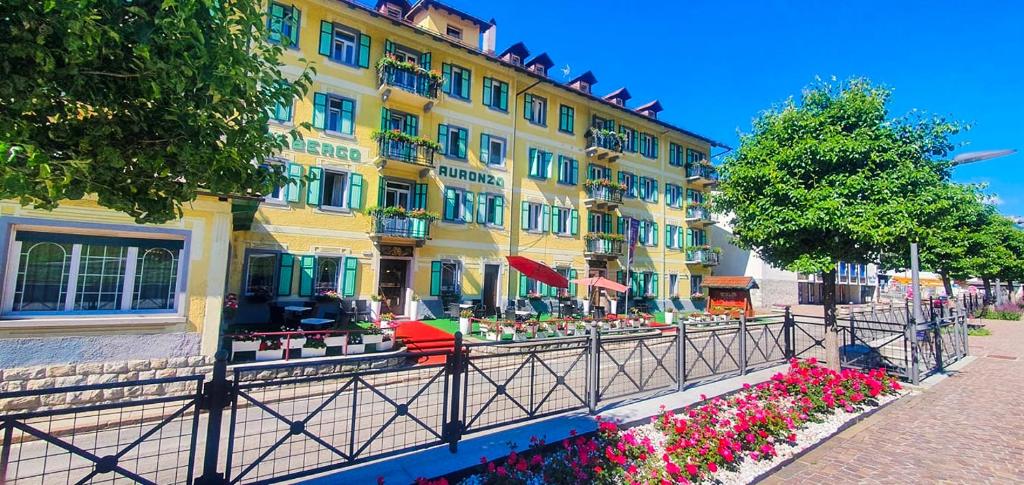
point(490, 38)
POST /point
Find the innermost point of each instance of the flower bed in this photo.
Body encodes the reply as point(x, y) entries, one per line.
point(1007, 311)
point(728, 440)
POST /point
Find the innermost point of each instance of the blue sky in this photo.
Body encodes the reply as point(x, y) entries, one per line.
point(715, 64)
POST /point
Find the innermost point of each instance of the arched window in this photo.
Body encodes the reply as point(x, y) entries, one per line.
point(42, 277)
point(156, 278)
point(327, 274)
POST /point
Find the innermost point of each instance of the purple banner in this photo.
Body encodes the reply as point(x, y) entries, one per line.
point(634, 235)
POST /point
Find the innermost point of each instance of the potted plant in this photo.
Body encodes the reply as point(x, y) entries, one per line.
point(335, 340)
point(490, 330)
point(465, 326)
point(414, 310)
point(520, 334)
point(375, 306)
point(355, 344)
point(386, 344)
point(230, 308)
point(244, 342)
point(507, 328)
point(646, 319)
point(532, 327)
point(327, 295)
point(314, 347)
point(385, 320)
point(295, 340)
point(270, 349)
point(372, 336)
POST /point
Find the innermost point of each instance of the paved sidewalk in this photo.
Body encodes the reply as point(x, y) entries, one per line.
point(964, 429)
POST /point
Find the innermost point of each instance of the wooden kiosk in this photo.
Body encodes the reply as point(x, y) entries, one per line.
point(727, 293)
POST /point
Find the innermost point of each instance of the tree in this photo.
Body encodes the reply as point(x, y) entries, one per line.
point(833, 178)
point(144, 104)
point(996, 252)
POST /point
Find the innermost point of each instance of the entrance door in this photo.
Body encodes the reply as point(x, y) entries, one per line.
point(490, 292)
point(392, 284)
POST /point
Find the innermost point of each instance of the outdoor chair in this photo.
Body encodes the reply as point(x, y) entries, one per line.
point(479, 310)
point(362, 311)
point(324, 315)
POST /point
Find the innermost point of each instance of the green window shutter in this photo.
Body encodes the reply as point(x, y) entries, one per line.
point(348, 115)
point(389, 47)
point(319, 110)
point(524, 220)
point(295, 178)
point(574, 171)
point(446, 78)
point(412, 125)
point(307, 266)
point(462, 143)
point(620, 277)
point(545, 218)
point(499, 210)
point(419, 200)
point(348, 281)
point(572, 286)
point(654, 283)
point(503, 100)
point(449, 204)
point(385, 118)
point(481, 208)
point(608, 224)
point(326, 37)
point(355, 191)
point(654, 189)
point(546, 168)
point(485, 148)
point(442, 138)
point(380, 191)
point(654, 234)
point(522, 285)
point(487, 91)
point(435, 278)
point(621, 229)
point(668, 236)
point(284, 274)
point(425, 60)
point(275, 21)
point(527, 106)
point(315, 183)
point(574, 222)
point(466, 77)
point(364, 51)
point(467, 209)
point(296, 24)
point(534, 162)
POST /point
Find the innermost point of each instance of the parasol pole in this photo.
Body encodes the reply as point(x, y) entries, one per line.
point(629, 266)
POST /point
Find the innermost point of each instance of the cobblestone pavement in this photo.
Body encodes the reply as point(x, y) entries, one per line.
point(965, 429)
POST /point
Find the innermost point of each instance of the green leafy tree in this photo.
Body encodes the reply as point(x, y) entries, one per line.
point(996, 251)
point(833, 177)
point(142, 104)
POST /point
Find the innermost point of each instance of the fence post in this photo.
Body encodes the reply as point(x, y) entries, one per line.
point(911, 338)
point(787, 331)
point(595, 366)
point(938, 343)
point(931, 308)
point(962, 319)
point(743, 343)
point(455, 369)
point(681, 355)
point(214, 399)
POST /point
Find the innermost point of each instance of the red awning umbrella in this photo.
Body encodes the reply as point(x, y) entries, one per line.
point(538, 271)
point(601, 282)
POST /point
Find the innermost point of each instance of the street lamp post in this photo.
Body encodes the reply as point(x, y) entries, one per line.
point(915, 274)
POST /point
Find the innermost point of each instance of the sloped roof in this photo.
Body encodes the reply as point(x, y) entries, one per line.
point(543, 60)
point(654, 106)
point(621, 93)
point(518, 49)
point(425, 4)
point(729, 282)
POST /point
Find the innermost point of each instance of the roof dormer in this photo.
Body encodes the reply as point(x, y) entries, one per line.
point(394, 9)
point(584, 82)
point(515, 54)
point(540, 65)
point(619, 96)
point(448, 21)
point(650, 110)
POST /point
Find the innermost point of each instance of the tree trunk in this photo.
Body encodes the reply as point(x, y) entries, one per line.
point(946, 283)
point(987, 284)
point(828, 296)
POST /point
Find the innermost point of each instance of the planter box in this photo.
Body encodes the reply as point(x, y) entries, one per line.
point(265, 355)
point(338, 341)
point(669, 318)
point(374, 310)
point(492, 336)
point(295, 343)
point(355, 349)
point(311, 352)
point(245, 346)
point(386, 345)
point(373, 339)
point(519, 337)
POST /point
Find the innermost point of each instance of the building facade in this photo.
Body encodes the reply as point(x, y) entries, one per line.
point(413, 117)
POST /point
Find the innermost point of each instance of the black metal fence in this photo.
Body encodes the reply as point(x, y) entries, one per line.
point(283, 421)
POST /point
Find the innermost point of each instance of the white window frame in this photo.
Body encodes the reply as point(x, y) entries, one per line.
point(456, 272)
point(490, 151)
point(345, 186)
point(538, 111)
point(281, 199)
point(563, 218)
point(673, 285)
point(453, 32)
point(488, 200)
point(536, 217)
point(354, 47)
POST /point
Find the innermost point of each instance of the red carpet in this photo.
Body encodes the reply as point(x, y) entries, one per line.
point(419, 337)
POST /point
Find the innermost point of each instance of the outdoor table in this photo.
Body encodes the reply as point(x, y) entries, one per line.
point(465, 306)
point(316, 322)
point(297, 309)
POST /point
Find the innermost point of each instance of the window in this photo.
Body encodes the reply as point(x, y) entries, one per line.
point(535, 109)
point(565, 221)
point(599, 222)
point(568, 170)
point(648, 145)
point(492, 150)
point(693, 156)
point(602, 123)
point(397, 194)
point(648, 233)
point(490, 210)
point(694, 196)
point(675, 155)
point(695, 282)
point(644, 283)
point(457, 81)
point(454, 32)
point(597, 172)
point(284, 25)
point(674, 196)
point(673, 237)
point(566, 118)
point(281, 113)
point(278, 194)
point(86, 273)
point(496, 94)
point(333, 113)
point(696, 238)
point(445, 277)
point(453, 141)
point(629, 181)
point(648, 189)
point(344, 44)
point(328, 270)
point(334, 189)
point(630, 135)
point(540, 164)
point(260, 271)
point(673, 285)
point(458, 205)
point(535, 217)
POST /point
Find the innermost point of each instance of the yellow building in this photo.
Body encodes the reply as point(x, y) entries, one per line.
point(414, 113)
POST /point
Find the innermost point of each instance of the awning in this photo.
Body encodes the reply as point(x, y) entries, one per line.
point(729, 282)
point(538, 271)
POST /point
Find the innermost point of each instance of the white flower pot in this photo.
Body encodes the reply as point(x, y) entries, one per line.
point(508, 330)
point(337, 341)
point(586, 307)
point(294, 343)
point(492, 336)
point(615, 306)
point(311, 352)
point(355, 349)
point(374, 309)
point(265, 355)
point(465, 326)
point(414, 310)
point(669, 318)
point(386, 345)
point(386, 323)
point(372, 339)
point(245, 346)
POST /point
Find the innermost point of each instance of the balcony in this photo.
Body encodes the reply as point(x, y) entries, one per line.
point(406, 149)
point(704, 257)
point(602, 197)
point(604, 145)
point(599, 248)
point(399, 229)
point(405, 83)
point(698, 216)
point(701, 174)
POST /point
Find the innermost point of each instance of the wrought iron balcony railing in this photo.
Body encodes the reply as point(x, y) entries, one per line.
point(604, 248)
point(419, 83)
point(604, 194)
point(705, 257)
point(698, 213)
point(700, 171)
point(405, 151)
point(401, 227)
